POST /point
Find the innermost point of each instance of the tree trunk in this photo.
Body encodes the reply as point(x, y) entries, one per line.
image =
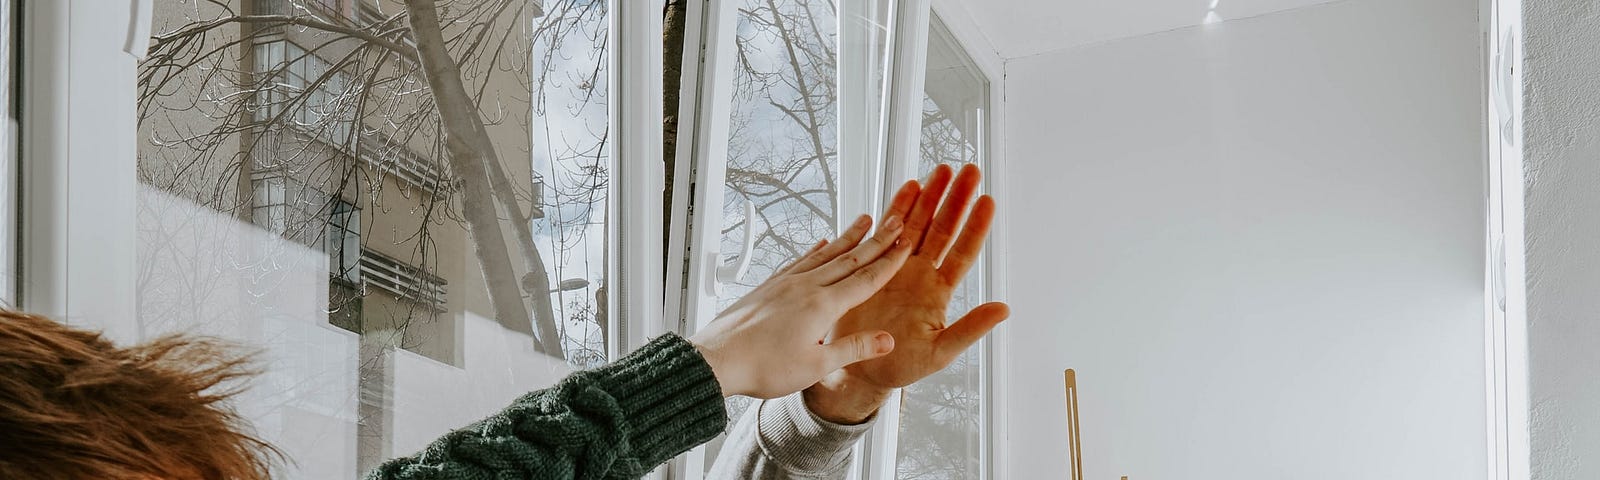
point(671, 83)
point(471, 159)
point(537, 281)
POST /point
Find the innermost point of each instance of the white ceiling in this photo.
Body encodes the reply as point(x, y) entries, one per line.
point(1019, 28)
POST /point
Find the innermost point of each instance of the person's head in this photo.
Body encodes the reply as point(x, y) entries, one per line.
point(75, 406)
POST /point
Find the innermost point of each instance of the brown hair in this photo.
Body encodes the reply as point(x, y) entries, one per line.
point(75, 406)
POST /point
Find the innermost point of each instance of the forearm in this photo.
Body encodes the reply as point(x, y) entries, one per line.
point(619, 421)
point(783, 439)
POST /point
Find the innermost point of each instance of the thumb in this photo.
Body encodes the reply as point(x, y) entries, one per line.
point(971, 328)
point(857, 347)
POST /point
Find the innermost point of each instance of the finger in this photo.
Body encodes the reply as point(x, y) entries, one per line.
point(970, 244)
point(948, 220)
point(927, 203)
point(813, 251)
point(967, 331)
point(856, 347)
point(864, 253)
point(866, 282)
point(904, 200)
point(851, 237)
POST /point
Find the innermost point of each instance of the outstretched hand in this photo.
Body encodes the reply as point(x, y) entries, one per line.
point(771, 342)
point(912, 305)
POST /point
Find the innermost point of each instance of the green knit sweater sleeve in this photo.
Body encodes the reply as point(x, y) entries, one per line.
point(614, 422)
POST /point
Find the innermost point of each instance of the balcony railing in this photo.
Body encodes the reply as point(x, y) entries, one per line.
point(404, 281)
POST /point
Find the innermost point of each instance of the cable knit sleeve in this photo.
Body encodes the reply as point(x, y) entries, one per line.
point(614, 422)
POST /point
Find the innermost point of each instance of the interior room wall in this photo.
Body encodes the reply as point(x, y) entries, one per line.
point(1562, 195)
point(1260, 244)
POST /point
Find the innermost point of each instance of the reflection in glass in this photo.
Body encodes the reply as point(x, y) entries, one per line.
point(941, 417)
point(299, 193)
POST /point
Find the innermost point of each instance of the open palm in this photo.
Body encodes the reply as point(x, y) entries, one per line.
point(912, 306)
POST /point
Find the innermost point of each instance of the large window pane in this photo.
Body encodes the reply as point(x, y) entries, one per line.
point(783, 143)
point(301, 192)
point(941, 418)
point(784, 174)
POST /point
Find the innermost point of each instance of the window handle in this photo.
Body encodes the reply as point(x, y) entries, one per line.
point(734, 268)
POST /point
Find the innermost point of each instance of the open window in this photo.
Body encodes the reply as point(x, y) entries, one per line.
point(799, 119)
point(784, 88)
point(292, 189)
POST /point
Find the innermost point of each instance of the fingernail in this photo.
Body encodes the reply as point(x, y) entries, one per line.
point(864, 221)
point(893, 223)
point(883, 342)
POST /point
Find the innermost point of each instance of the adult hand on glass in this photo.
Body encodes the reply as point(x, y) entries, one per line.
point(771, 342)
point(912, 305)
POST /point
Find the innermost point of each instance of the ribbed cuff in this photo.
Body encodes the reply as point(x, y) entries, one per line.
point(803, 443)
point(670, 397)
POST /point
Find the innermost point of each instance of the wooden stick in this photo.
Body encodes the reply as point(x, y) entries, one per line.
point(1074, 442)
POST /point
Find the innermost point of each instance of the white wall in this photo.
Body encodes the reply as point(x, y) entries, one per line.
point(1562, 185)
point(1260, 244)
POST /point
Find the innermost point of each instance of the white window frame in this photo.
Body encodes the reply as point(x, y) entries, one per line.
point(10, 155)
point(1505, 306)
point(706, 98)
point(635, 271)
point(78, 259)
point(905, 136)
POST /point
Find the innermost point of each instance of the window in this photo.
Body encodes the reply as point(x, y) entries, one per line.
point(942, 426)
point(780, 193)
point(308, 87)
point(297, 193)
point(344, 242)
point(571, 176)
point(783, 138)
point(287, 207)
point(302, 7)
point(767, 141)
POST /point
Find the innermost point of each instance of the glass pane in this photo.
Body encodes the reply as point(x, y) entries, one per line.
point(783, 147)
point(571, 170)
point(941, 418)
point(297, 195)
point(783, 143)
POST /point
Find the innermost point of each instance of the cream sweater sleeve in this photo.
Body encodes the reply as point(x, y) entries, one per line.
point(781, 439)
